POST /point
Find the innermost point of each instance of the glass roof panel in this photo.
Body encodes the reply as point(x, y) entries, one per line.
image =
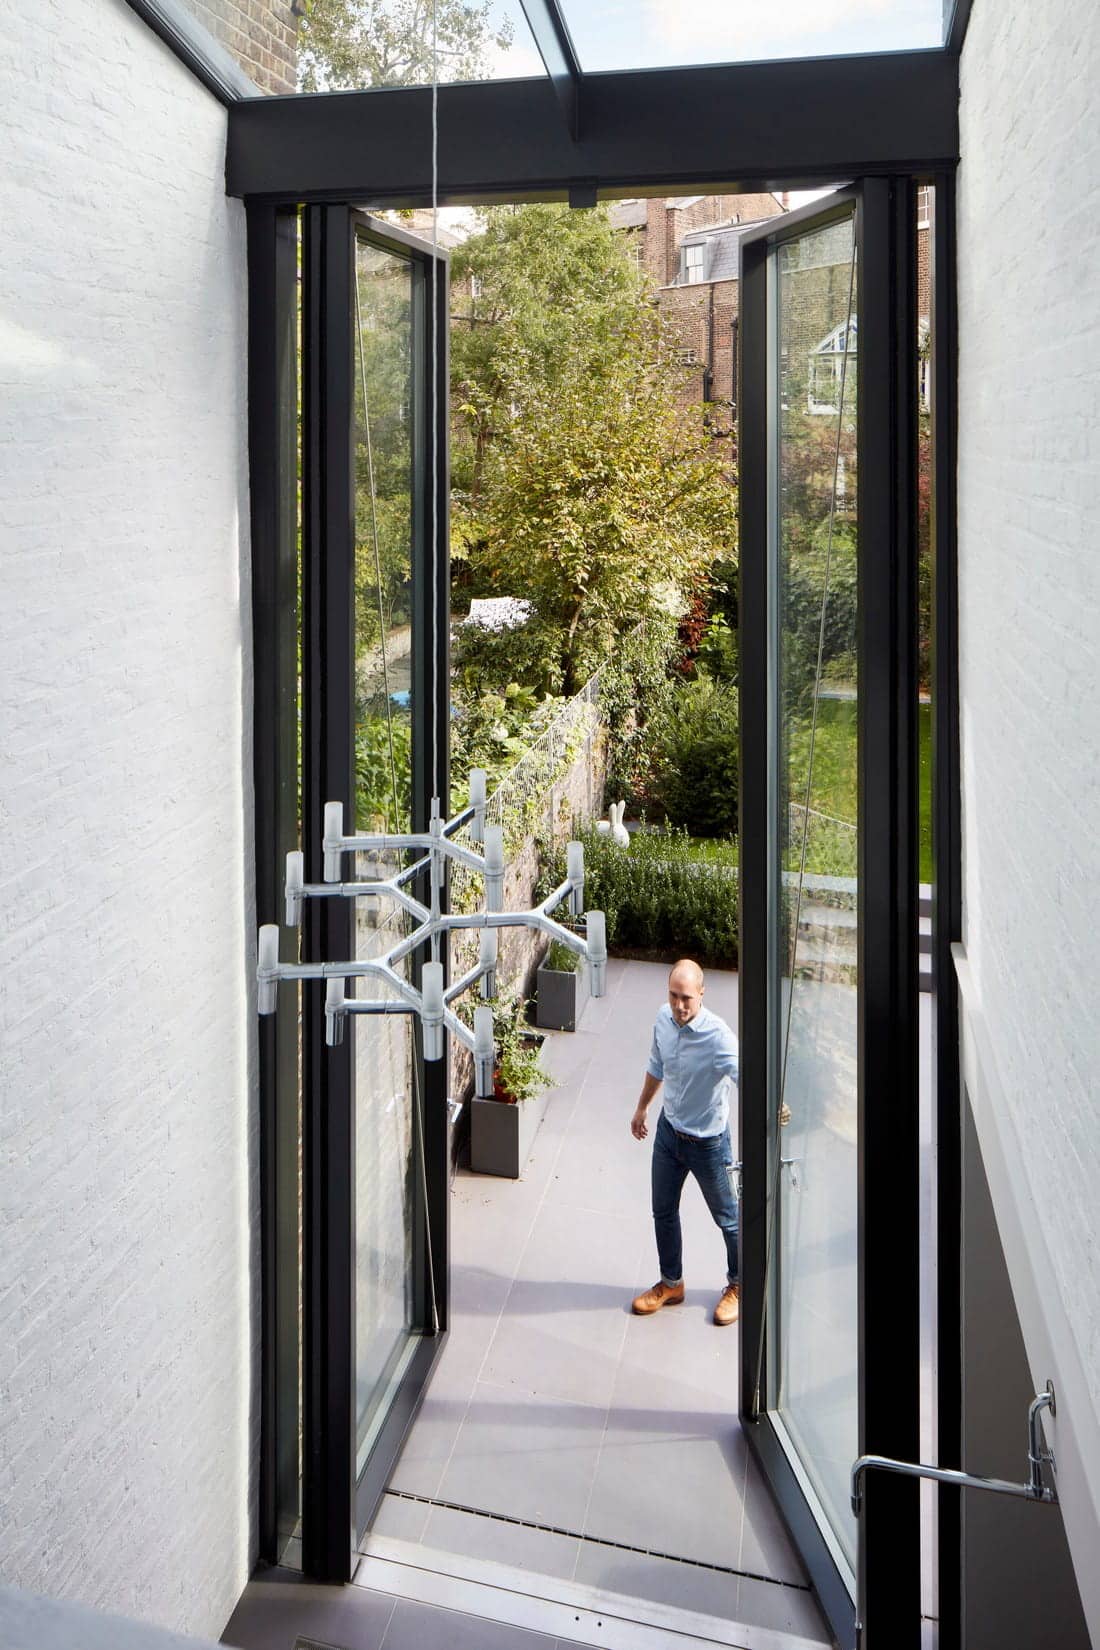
point(658, 34)
point(348, 45)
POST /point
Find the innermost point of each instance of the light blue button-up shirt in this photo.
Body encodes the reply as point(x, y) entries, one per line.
point(697, 1063)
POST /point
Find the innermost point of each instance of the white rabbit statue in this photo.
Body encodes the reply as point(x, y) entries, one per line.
point(613, 825)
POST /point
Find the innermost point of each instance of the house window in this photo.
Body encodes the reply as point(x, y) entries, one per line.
point(686, 357)
point(924, 206)
point(691, 264)
point(832, 369)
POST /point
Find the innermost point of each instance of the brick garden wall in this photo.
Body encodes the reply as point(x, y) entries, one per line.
point(573, 801)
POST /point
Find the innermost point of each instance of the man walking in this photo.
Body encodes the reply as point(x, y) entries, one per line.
point(694, 1054)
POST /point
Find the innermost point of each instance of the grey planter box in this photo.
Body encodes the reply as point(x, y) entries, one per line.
point(501, 1135)
point(560, 998)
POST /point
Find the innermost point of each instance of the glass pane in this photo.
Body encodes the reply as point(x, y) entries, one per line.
point(653, 34)
point(348, 45)
point(814, 809)
point(388, 313)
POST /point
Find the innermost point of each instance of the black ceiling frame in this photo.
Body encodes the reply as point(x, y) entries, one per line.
point(742, 127)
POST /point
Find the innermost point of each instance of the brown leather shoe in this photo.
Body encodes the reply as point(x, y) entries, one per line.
point(729, 1306)
point(662, 1294)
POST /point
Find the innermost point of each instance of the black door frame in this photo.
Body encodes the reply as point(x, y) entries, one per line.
point(336, 1503)
point(329, 1553)
point(887, 1157)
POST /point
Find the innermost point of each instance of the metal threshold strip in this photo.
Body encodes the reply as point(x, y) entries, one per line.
point(546, 1604)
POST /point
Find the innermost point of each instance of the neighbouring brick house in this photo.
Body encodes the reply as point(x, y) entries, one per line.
point(687, 245)
point(261, 34)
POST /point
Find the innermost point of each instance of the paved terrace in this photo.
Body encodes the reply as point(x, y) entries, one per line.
point(614, 1439)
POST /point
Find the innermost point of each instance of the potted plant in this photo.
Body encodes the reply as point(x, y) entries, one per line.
point(561, 989)
point(502, 1130)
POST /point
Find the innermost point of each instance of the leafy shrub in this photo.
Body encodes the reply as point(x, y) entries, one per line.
point(518, 1073)
point(561, 959)
point(485, 661)
point(660, 896)
point(379, 772)
point(696, 760)
point(636, 687)
point(718, 649)
point(493, 731)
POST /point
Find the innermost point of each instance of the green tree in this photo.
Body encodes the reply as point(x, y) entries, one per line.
point(581, 482)
point(348, 44)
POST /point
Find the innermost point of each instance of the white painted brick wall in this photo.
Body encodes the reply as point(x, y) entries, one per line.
point(126, 1136)
point(1029, 498)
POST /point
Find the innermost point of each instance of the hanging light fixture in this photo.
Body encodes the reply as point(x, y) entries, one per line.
point(432, 1002)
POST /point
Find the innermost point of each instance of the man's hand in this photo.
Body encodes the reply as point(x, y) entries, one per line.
point(784, 1115)
point(638, 1126)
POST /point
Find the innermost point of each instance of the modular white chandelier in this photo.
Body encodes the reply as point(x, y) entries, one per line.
point(430, 924)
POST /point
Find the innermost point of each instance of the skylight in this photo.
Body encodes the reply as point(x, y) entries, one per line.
point(652, 34)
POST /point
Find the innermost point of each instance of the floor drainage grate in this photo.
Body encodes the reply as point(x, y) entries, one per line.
point(592, 1540)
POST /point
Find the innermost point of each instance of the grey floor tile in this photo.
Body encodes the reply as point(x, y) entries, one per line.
point(542, 1552)
point(681, 1361)
point(525, 1457)
point(567, 1354)
point(678, 1496)
point(658, 1580)
point(400, 1519)
point(766, 1548)
point(477, 1291)
point(426, 1627)
point(580, 1246)
point(428, 1447)
point(278, 1607)
point(611, 1176)
point(786, 1609)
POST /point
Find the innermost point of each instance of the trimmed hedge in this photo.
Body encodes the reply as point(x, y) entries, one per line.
point(660, 898)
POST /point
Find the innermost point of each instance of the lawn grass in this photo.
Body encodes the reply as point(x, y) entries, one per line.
point(834, 790)
point(834, 776)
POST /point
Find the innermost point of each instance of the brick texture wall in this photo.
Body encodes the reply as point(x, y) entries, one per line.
point(126, 1116)
point(667, 224)
point(261, 34)
point(699, 317)
point(1029, 505)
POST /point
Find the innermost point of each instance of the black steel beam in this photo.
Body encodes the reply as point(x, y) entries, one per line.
point(946, 902)
point(956, 20)
point(328, 767)
point(889, 1134)
point(273, 468)
point(557, 51)
point(746, 126)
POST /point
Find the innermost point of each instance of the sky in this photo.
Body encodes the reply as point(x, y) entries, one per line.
point(635, 34)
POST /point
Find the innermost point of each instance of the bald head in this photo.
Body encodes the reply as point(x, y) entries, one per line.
point(685, 990)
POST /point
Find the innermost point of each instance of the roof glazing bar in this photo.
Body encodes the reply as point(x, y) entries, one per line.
point(545, 20)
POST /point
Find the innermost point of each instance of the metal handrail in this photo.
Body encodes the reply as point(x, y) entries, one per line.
point(1033, 1490)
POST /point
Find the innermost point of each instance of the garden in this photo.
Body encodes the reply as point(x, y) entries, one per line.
point(596, 503)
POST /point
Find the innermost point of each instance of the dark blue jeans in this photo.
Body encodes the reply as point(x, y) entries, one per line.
point(675, 1156)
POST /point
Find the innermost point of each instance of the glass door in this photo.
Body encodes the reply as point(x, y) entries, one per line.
point(830, 1362)
point(389, 445)
point(374, 735)
point(813, 860)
